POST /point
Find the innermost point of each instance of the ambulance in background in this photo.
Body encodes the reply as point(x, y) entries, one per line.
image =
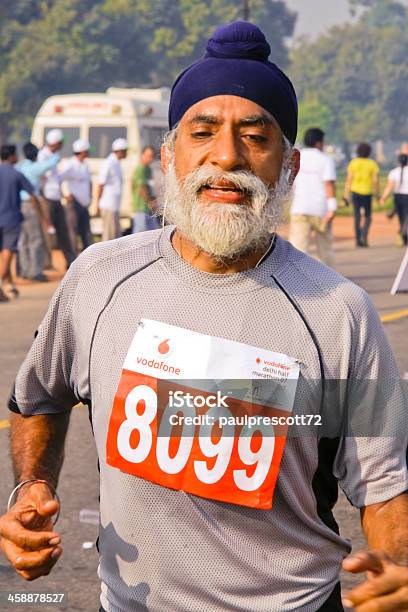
point(139, 115)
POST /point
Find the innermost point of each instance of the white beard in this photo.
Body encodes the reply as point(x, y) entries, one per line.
point(224, 230)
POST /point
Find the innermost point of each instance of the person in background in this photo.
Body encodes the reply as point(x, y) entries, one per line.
point(143, 198)
point(398, 185)
point(110, 182)
point(12, 183)
point(314, 201)
point(362, 182)
point(77, 178)
point(31, 246)
point(52, 193)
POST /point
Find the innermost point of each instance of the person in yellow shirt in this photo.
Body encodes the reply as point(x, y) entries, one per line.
point(362, 182)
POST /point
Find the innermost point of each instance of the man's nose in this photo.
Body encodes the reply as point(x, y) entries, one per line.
point(227, 152)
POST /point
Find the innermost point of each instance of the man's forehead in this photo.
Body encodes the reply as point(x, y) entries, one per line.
point(219, 109)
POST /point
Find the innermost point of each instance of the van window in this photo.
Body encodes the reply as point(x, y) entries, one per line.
point(70, 135)
point(101, 139)
point(152, 137)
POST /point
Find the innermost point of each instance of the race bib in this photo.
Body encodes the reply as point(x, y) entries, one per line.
point(202, 414)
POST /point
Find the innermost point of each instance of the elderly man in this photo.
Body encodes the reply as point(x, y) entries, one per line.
point(179, 340)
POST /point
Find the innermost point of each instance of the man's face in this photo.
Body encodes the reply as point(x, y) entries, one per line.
point(121, 154)
point(225, 182)
point(55, 147)
point(229, 134)
point(148, 157)
point(82, 155)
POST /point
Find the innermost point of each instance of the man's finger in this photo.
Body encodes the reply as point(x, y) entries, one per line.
point(36, 516)
point(28, 539)
point(365, 561)
point(390, 581)
point(394, 602)
point(38, 559)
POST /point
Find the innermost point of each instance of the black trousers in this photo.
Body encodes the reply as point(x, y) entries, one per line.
point(59, 221)
point(401, 206)
point(333, 604)
point(83, 228)
point(361, 202)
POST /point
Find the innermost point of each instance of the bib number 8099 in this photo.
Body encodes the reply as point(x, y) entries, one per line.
point(252, 465)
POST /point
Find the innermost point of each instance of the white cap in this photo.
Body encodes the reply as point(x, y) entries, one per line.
point(80, 145)
point(54, 136)
point(120, 144)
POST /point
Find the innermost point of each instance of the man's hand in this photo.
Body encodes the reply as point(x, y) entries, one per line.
point(27, 536)
point(386, 587)
point(328, 218)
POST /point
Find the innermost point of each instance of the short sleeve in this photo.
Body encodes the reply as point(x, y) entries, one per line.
point(140, 176)
point(329, 170)
point(24, 184)
point(391, 176)
point(104, 172)
point(46, 381)
point(371, 463)
point(376, 167)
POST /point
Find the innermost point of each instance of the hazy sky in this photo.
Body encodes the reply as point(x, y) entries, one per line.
point(315, 16)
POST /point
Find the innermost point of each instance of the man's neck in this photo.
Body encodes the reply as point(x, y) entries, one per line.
point(197, 258)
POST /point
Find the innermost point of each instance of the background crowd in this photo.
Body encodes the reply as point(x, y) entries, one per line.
point(45, 203)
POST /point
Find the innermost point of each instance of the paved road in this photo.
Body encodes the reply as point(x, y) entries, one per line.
point(75, 573)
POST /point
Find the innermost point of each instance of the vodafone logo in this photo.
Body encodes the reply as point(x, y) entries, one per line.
point(164, 349)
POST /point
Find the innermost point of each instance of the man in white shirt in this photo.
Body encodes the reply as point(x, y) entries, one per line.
point(110, 190)
point(77, 180)
point(314, 201)
point(51, 190)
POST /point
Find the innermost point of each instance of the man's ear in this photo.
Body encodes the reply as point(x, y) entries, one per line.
point(294, 165)
point(164, 158)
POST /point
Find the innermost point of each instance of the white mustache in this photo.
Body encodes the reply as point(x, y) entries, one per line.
point(242, 179)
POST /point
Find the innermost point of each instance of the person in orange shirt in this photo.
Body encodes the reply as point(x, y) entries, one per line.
point(362, 182)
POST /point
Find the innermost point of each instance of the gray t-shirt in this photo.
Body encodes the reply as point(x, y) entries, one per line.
point(164, 549)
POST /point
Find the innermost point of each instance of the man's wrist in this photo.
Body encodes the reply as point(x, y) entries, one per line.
point(25, 489)
point(332, 205)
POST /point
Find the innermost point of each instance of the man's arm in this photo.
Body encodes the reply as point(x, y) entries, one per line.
point(330, 190)
point(347, 185)
point(144, 192)
point(376, 185)
point(24, 184)
point(41, 167)
point(389, 188)
point(37, 445)
point(386, 528)
point(98, 198)
point(27, 536)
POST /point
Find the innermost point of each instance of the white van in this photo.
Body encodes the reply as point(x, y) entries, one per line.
point(140, 115)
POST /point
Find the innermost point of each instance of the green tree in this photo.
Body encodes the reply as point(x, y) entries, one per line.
point(359, 72)
point(313, 113)
point(57, 46)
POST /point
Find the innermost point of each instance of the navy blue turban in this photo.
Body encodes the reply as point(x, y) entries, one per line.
point(236, 64)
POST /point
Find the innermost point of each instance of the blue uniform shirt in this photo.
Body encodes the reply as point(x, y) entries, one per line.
point(11, 183)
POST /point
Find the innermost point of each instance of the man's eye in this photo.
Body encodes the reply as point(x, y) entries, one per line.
point(201, 134)
point(256, 138)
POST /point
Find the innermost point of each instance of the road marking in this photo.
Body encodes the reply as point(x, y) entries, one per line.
point(4, 423)
point(394, 316)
